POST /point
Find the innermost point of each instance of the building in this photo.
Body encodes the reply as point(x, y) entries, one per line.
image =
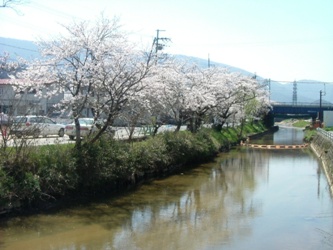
point(328, 118)
point(25, 103)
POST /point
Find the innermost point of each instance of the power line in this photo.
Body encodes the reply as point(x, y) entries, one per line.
point(54, 11)
point(16, 47)
point(160, 46)
point(310, 82)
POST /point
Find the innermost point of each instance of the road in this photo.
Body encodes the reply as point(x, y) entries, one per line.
point(120, 134)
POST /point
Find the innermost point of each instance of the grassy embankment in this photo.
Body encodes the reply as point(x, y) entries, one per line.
point(34, 176)
point(309, 133)
point(301, 123)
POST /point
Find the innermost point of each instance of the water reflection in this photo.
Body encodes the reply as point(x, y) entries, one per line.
point(285, 135)
point(210, 208)
point(246, 199)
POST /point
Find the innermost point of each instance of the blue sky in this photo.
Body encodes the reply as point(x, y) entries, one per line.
point(283, 40)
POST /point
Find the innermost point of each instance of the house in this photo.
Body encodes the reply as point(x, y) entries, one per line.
point(25, 103)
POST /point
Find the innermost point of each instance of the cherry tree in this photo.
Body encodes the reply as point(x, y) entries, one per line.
point(96, 66)
point(181, 91)
point(169, 91)
point(206, 84)
point(192, 95)
point(8, 69)
point(134, 114)
point(245, 98)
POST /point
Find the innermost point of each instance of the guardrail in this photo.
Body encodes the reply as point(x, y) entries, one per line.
point(301, 104)
point(328, 135)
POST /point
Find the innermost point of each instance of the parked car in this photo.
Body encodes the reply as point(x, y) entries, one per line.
point(61, 118)
point(87, 125)
point(35, 126)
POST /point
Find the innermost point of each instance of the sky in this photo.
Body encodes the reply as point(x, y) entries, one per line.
point(282, 40)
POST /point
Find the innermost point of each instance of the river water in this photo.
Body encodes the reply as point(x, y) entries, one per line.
point(244, 199)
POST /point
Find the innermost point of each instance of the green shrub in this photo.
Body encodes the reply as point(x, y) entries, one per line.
point(35, 173)
point(29, 174)
point(301, 124)
point(149, 156)
point(6, 188)
point(56, 169)
point(102, 163)
point(179, 146)
point(328, 128)
point(309, 135)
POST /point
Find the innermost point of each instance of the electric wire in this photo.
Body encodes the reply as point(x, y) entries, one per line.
point(272, 80)
point(16, 47)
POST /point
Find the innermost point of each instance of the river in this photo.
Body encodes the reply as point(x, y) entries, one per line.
point(244, 199)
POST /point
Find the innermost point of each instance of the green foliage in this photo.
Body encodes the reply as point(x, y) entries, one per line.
point(56, 169)
point(230, 135)
point(256, 127)
point(309, 135)
point(38, 173)
point(149, 156)
point(328, 128)
point(102, 163)
point(301, 124)
point(6, 187)
point(179, 146)
point(187, 147)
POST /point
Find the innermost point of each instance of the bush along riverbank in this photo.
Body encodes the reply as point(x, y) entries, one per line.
point(34, 178)
point(323, 148)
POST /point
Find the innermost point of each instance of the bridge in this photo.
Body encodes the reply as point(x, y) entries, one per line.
point(300, 109)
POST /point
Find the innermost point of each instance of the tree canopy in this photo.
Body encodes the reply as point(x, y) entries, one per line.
point(100, 70)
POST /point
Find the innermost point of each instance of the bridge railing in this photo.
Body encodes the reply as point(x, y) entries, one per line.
point(328, 135)
point(301, 104)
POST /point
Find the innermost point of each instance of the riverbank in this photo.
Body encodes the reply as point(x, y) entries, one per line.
point(260, 134)
point(37, 178)
point(242, 199)
point(323, 148)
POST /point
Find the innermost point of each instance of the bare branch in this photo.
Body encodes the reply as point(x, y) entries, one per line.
point(12, 4)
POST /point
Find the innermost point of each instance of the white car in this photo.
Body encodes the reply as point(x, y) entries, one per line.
point(86, 126)
point(35, 126)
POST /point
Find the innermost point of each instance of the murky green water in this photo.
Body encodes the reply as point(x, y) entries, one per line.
point(245, 199)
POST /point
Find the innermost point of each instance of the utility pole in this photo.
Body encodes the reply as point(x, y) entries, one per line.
point(157, 39)
point(269, 90)
point(209, 63)
point(295, 93)
point(320, 115)
point(267, 85)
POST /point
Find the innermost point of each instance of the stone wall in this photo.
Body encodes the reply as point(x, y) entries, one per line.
point(323, 147)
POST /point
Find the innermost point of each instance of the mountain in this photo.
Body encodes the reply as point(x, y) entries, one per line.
point(204, 64)
point(18, 48)
point(307, 90)
point(28, 49)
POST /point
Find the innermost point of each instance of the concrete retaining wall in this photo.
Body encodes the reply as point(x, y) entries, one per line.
point(323, 147)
